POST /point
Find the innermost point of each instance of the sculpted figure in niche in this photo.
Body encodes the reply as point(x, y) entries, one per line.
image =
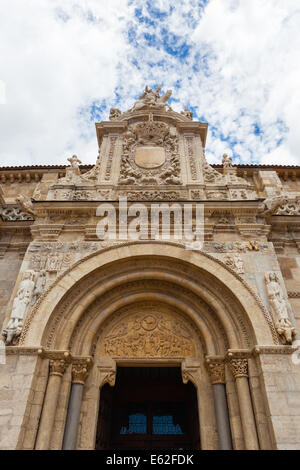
point(19, 308)
point(280, 308)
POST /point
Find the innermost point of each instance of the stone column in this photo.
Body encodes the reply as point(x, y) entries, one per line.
point(239, 368)
point(57, 370)
point(216, 370)
point(191, 371)
point(80, 371)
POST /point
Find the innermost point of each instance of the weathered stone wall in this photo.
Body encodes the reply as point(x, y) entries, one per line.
point(281, 378)
point(17, 397)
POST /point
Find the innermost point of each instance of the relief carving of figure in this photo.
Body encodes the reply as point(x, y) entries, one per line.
point(280, 308)
point(39, 286)
point(19, 308)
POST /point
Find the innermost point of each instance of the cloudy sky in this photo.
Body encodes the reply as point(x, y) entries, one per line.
point(234, 63)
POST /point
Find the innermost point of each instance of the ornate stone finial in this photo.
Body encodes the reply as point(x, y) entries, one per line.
point(80, 371)
point(114, 114)
point(239, 367)
point(279, 306)
point(187, 113)
point(216, 370)
point(58, 367)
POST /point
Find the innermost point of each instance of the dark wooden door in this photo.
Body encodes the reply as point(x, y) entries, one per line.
point(150, 409)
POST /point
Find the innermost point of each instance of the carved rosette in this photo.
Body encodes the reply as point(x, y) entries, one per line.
point(216, 371)
point(239, 367)
point(58, 367)
point(80, 371)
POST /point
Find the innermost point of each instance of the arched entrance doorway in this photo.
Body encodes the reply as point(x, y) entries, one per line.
point(151, 305)
point(148, 408)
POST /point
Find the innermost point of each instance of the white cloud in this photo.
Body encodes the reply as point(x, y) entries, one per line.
point(241, 72)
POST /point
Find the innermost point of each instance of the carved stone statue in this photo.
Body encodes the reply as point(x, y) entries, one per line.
point(187, 113)
point(72, 172)
point(280, 308)
point(227, 161)
point(114, 114)
point(152, 99)
point(26, 204)
point(19, 308)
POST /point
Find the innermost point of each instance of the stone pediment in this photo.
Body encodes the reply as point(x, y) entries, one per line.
point(147, 148)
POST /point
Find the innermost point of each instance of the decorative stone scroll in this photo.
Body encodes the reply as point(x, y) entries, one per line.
point(271, 204)
point(191, 157)
point(14, 214)
point(290, 208)
point(154, 195)
point(149, 335)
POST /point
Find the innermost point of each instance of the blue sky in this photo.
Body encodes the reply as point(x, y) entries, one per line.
point(234, 63)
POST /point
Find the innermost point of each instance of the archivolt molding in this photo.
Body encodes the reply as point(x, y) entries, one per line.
point(77, 272)
point(199, 314)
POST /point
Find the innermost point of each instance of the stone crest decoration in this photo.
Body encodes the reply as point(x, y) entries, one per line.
point(150, 154)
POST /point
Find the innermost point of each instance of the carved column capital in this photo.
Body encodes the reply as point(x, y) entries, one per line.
point(239, 367)
point(58, 367)
point(80, 370)
point(216, 370)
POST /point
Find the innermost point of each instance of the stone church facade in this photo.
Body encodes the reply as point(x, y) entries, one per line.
point(84, 313)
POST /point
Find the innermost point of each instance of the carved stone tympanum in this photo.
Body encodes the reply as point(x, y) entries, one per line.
point(149, 335)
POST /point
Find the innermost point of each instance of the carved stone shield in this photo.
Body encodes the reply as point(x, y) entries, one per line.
point(150, 157)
